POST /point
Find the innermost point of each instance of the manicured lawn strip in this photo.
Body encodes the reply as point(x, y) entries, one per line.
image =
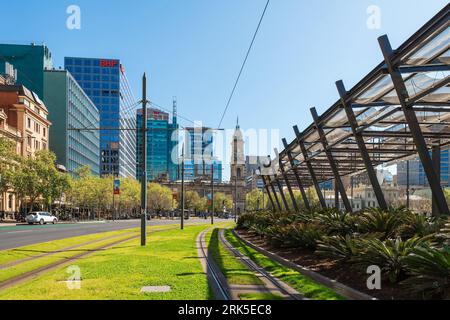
point(31, 265)
point(234, 271)
point(309, 288)
point(120, 272)
point(15, 254)
point(11, 255)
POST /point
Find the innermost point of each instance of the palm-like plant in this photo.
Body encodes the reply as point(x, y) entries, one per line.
point(431, 271)
point(342, 248)
point(389, 255)
point(336, 222)
point(418, 225)
point(385, 222)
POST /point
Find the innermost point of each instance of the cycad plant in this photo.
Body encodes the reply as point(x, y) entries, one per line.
point(341, 248)
point(384, 222)
point(431, 272)
point(389, 255)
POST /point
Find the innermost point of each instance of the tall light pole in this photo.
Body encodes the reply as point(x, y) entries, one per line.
point(182, 189)
point(212, 192)
point(235, 198)
point(144, 164)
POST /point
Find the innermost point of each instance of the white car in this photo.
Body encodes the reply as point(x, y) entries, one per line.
point(41, 217)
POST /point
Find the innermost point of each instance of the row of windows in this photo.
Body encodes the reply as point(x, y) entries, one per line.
point(91, 70)
point(36, 126)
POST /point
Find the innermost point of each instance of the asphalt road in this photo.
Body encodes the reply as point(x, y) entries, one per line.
point(23, 235)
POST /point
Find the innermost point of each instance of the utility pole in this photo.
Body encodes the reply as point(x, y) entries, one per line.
point(235, 198)
point(212, 192)
point(182, 189)
point(144, 164)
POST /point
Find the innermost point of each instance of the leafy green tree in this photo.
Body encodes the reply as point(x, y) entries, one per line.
point(160, 198)
point(222, 200)
point(256, 200)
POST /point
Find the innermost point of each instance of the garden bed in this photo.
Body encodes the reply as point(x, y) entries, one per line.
point(343, 273)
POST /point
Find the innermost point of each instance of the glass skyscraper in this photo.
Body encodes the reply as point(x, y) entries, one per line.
point(162, 143)
point(70, 108)
point(417, 176)
point(105, 82)
point(200, 155)
point(30, 61)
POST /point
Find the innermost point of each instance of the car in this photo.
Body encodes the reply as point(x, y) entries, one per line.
point(41, 217)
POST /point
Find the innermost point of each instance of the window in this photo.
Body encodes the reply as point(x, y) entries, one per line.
point(44, 132)
point(10, 201)
point(29, 123)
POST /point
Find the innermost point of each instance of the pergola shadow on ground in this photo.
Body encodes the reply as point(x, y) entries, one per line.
point(399, 111)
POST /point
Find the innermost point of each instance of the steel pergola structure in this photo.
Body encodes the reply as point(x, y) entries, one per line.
point(401, 109)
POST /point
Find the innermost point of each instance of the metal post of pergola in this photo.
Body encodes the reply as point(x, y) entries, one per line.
point(296, 175)
point(269, 179)
point(283, 196)
point(268, 193)
point(436, 157)
point(288, 185)
point(310, 168)
point(332, 163)
point(361, 145)
point(414, 126)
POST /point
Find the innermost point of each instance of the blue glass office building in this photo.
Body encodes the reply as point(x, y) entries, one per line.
point(70, 108)
point(30, 61)
point(105, 82)
point(162, 142)
point(200, 155)
point(417, 176)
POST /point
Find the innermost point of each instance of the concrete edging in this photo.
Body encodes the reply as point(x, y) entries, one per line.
point(338, 287)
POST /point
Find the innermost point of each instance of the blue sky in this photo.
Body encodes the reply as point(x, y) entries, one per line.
point(193, 49)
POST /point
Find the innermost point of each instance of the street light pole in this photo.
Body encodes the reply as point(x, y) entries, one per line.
point(182, 189)
point(144, 164)
point(235, 198)
point(212, 192)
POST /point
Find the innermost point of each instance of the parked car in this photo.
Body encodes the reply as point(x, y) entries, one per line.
point(41, 217)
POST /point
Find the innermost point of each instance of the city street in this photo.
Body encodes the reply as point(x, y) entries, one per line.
point(23, 235)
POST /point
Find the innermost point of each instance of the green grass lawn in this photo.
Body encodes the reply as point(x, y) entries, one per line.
point(11, 255)
point(234, 271)
point(120, 272)
point(296, 280)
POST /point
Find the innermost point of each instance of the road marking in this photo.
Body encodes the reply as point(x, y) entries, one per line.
point(23, 231)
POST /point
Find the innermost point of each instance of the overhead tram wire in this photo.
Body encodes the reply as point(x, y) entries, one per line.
point(243, 64)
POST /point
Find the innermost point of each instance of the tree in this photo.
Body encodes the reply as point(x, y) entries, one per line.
point(256, 200)
point(160, 198)
point(8, 163)
point(221, 200)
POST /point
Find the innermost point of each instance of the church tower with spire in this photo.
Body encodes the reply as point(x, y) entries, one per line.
point(238, 173)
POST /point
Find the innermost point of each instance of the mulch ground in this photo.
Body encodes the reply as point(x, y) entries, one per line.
point(343, 273)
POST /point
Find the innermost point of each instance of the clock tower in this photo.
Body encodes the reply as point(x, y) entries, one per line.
point(238, 174)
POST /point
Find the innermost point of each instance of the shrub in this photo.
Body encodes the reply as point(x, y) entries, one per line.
point(431, 272)
point(336, 222)
point(295, 235)
point(386, 223)
point(418, 225)
point(389, 255)
point(342, 248)
point(305, 235)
